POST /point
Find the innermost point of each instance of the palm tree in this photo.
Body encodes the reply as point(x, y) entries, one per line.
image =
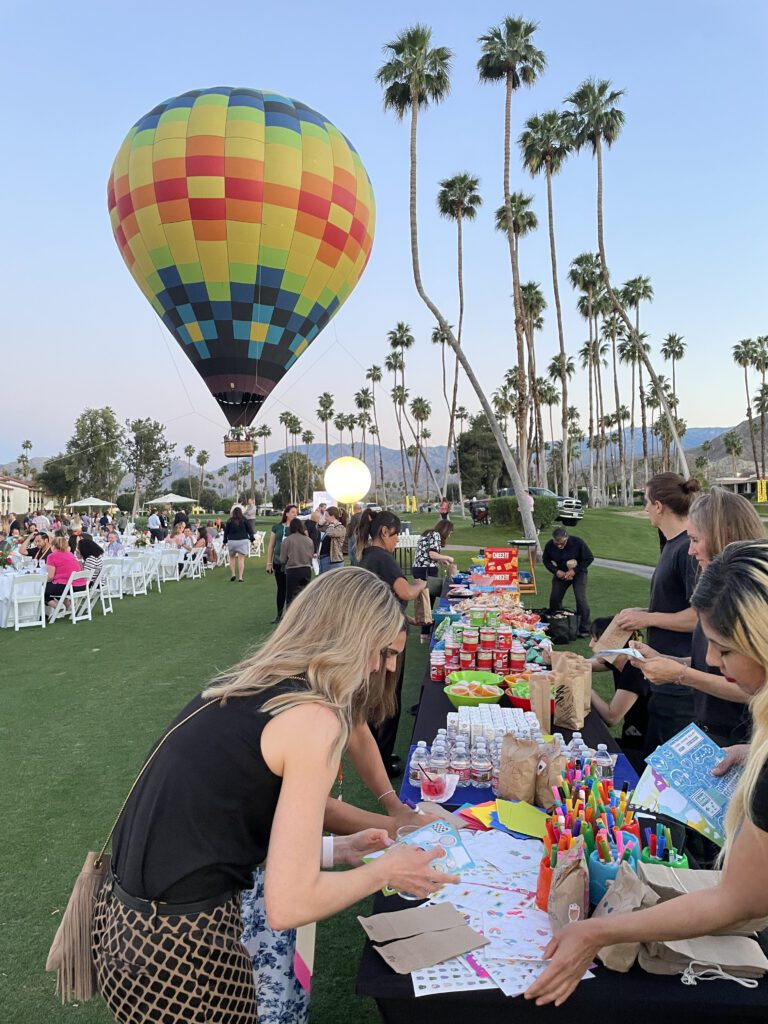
point(203, 458)
point(673, 348)
point(509, 55)
point(584, 275)
point(189, 451)
point(325, 414)
point(413, 75)
point(459, 200)
point(546, 143)
point(523, 220)
point(364, 402)
point(504, 406)
point(733, 447)
point(285, 419)
point(392, 364)
point(633, 292)
point(534, 304)
point(760, 363)
point(221, 473)
point(374, 375)
point(597, 120)
point(295, 430)
point(550, 397)
point(628, 354)
point(421, 410)
point(462, 414)
point(307, 437)
point(761, 406)
point(744, 356)
point(400, 340)
point(611, 328)
point(263, 432)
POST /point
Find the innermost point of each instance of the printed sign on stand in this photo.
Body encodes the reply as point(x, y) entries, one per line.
point(502, 564)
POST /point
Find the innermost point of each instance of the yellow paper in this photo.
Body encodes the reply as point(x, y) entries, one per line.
point(522, 817)
point(483, 812)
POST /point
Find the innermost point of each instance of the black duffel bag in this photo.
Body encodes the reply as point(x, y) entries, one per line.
point(563, 624)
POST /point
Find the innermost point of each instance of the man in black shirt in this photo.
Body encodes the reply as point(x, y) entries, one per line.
point(568, 559)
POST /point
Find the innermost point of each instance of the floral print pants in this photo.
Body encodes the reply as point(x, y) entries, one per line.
point(279, 996)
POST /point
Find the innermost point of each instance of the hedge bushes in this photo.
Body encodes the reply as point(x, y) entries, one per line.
point(505, 512)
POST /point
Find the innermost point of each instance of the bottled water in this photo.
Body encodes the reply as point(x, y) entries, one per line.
point(495, 767)
point(602, 763)
point(419, 760)
point(461, 764)
point(438, 759)
point(481, 768)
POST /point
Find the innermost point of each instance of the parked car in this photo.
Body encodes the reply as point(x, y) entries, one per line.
point(569, 510)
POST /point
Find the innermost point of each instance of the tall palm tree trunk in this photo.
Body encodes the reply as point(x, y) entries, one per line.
point(454, 395)
point(327, 448)
point(681, 460)
point(751, 429)
point(266, 471)
point(619, 423)
point(560, 335)
point(506, 454)
point(552, 450)
point(378, 442)
point(632, 440)
point(762, 426)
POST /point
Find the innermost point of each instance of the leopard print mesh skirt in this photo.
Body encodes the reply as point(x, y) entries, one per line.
point(173, 970)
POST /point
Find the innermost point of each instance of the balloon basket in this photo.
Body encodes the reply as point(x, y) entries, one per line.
point(239, 449)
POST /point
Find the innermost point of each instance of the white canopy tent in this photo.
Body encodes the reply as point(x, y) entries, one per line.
point(91, 503)
point(170, 499)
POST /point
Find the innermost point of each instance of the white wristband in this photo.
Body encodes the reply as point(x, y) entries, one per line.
point(326, 858)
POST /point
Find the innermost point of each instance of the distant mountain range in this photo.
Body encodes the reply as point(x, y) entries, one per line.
point(692, 441)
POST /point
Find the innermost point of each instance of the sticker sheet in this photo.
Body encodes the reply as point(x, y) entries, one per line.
point(454, 975)
point(439, 833)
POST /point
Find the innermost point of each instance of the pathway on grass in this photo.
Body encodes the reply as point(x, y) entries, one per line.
point(646, 571)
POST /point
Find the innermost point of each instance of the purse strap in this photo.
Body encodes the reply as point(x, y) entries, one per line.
point(147, 763)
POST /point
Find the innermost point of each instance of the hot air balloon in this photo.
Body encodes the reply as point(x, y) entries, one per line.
point(246, 218)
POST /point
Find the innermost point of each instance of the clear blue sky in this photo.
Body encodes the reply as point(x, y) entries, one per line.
point(684, 194)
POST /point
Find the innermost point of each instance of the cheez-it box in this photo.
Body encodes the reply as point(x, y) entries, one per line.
point(501, 561)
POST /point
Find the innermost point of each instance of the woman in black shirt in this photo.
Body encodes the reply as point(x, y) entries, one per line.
point(669, 619)
point(732, 602)
point(243, 774)
point(715, 520)
point(380, 534)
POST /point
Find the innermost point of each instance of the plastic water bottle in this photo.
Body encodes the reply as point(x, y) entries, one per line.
point(481, 769)
point(558, 742)
point(419, 760)
point(438, 759)
point(461, 764)
point(577, 747)
point(602, 763)
point(495, 767)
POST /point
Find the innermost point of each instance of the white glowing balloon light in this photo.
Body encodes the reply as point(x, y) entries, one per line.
point(347, 479)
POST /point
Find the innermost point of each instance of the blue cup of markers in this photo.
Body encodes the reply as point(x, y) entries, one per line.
point(600, 874)
point(634, 853)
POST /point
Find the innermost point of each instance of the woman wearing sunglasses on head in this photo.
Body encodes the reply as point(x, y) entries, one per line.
point(731, 601)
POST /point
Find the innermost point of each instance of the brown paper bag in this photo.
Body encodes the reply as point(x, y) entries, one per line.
point(668, 883)
point(613, 638)
point(549, 774)
point(569, 700)
point(517, 769)
point(541, 701)
point(573, 666)
point(422, 609)
point(735, 954)
point(625, 893)
point(569, 892)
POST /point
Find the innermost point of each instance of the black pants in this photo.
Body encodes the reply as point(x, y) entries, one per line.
point(157, 534)
point(559, 590)
point(386, 733)
point(295, 581)
point(281, 582)
point(429, 574)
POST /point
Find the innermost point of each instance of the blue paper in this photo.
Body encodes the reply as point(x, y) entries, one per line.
point(685, 762)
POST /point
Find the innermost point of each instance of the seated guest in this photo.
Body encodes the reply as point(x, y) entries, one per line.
point(13, 540)
point(3, 540)
point(187, 540)
point(201, 540)
point(629, 701)
point(177, 536)
point(13, 523)
point(114, 548)
point(60, 565)
point(92, 556)
point(38, 548)
point(296, 554)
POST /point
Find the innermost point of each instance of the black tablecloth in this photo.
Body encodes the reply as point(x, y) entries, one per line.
point(636, 995)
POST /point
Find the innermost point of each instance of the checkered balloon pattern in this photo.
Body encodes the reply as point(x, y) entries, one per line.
point(246, 218)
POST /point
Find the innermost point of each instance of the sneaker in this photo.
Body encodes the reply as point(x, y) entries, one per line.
point(231, 579)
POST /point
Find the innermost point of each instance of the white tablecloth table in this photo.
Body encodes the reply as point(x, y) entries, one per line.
point(6, 576)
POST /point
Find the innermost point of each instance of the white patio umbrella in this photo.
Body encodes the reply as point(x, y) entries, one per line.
point(170, 499)
point(91, 503)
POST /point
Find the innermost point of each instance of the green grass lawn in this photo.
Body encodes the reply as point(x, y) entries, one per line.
point(82, 704)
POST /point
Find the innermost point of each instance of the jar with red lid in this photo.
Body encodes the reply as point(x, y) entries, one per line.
point(488, 638)
point(517, 658)
point(470, 640)
point(466, 660)
point(503, 637)
point(501, 662)
point(437, 667)
point(484, 661)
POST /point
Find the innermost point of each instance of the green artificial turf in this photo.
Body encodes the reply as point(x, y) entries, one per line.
point(81, 706)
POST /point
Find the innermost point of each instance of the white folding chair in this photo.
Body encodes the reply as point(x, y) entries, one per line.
point(193, 566)
point(168, 566)
point(135, 578)
point(28, 593)
point(222, 552)
point(100, 591)
point(79, 599)
point(257, 548)
point(152, 570)
point(112, 577)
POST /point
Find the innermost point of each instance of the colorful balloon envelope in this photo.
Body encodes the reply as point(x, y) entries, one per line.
point(246, 218)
